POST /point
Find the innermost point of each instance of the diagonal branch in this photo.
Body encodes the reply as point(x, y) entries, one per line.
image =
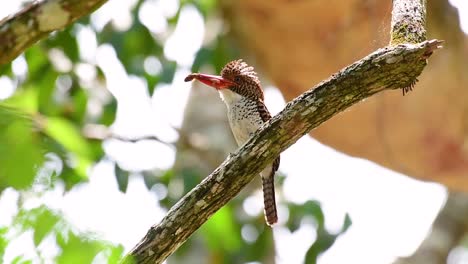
point(21, 30)
point(387, 68)
point(393, 67)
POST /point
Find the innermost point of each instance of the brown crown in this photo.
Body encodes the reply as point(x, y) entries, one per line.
point(245, 77)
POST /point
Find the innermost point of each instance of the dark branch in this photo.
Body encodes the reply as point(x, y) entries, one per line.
point(21, 30)
point(387, 68)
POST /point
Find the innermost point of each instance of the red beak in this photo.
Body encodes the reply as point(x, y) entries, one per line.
point(214, 81)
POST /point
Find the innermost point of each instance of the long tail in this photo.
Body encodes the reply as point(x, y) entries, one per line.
point(268, 184)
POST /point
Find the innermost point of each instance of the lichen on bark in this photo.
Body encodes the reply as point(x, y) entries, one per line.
point(21, 30)
point(408, 21)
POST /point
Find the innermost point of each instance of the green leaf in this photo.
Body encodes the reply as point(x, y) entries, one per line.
point(68, 135)
point(71, 177)
point(347, 222)
point(168, 71)
point(5, 69)
point(41, 220)
point(324, 241)
point(132, 46)
point(149, 179)
point(216, 55)
point(152, 81)
point(108, 115)
point(76, 249)
point(318, 247)
point(313, 208)
point(206, 7)
point(25, 100)
point(36, 58)
point(223, 52)
point(116, 255)
point(220, 231)
point(203, 57)
point(66, 41)
point(261, 248)
point(3, 241)
point(297, 212)
point(81, 166)
point(44, 224)
point(20, 260)
point(46, 87)
point(191, 177)
point(121, 177)
point(21, 151)
point(80, 103)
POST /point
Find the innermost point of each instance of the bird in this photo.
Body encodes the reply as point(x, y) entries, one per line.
point(241, 91)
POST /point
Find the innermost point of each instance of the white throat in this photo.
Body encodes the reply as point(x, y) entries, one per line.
point(229, 97)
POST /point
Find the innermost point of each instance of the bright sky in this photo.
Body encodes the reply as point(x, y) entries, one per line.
point(384, 206)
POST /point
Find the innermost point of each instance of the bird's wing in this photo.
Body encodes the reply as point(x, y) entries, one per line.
point(263, 110)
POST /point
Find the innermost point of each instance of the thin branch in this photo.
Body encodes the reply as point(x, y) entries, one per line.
point(21, 30)
point(408, 21)
point(387, 68)
point(102, 132)
point(408, 26)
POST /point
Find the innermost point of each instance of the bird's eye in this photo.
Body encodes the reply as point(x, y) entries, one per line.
point(237, 79)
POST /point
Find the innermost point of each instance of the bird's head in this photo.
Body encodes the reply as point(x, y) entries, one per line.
point(236, 76)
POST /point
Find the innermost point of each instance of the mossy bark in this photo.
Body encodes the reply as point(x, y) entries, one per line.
point(408, 21)
point(36, 21)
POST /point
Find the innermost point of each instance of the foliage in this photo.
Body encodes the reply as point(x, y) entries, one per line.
point(43, 122)
point(46, 224)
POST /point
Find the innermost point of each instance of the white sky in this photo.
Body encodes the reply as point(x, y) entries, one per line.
point(391, 213)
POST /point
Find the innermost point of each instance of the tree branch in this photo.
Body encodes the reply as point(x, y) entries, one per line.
point(408, 21)
point(393, 67)
point(408, 25)
point(36, 21)
point(387, 68)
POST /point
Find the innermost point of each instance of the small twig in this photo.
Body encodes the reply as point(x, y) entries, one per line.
point(101, 132)
point(135, 140)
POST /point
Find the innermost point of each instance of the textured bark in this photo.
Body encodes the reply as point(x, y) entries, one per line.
point(408, 21)
point(423, 135)
point(448, 229)
point(387, 68)
point(408, 24)
point(36, 21)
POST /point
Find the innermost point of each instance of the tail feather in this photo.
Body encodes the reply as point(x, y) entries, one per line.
point(268, 184)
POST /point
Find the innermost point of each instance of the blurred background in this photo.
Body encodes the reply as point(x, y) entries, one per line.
point(100, 136)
